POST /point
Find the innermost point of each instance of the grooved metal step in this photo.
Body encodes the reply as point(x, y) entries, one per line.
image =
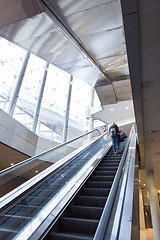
point(86, 212)
point(80, 220)
point(68, 236)
point(92, 201)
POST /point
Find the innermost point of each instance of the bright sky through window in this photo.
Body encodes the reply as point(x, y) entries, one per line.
point(55, 92)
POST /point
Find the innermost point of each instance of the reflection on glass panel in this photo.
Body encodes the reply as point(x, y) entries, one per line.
point(53, 107)
point(21, 173)
point(147, 211)
point(23, 117)
point(78, 123)
point(10, 63)
point(45, 132)
point(79, 101)
point(54, 102)
point(29, 91)
point(4, 103)
point(55, 92)
point(102, 126)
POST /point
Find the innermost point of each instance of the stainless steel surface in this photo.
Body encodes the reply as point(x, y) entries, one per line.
point(43, 153)
point(126, 220)
point(85, 39)
point(142, 31)
point(17, 10)
point(38, 225)
point(100, 232)
point(29, 183)
point(121, 216)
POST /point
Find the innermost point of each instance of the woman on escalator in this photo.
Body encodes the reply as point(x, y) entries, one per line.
point(114, 133)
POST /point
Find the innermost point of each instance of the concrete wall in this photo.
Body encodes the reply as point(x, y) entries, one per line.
point(18, 143)
point(20, 138)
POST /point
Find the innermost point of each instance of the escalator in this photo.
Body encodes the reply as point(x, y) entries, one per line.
point(14, 176)
point(34, 195)
point(80, 219)
point(69, 198)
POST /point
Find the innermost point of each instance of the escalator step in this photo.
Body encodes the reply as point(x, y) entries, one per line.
point(111, 159)
point(98, 184)
point(104, 173)
point(67, 236)
point(95, 192)
point(106, 164)
point(77, 225)
point(101, 178)
point(107, 161)
point(90, 201)
point(116, 165)
point(80, 220)
point(111, 168)
point(84, 212)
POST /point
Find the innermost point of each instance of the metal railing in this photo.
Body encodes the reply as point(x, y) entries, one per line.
point(104, 221)
point(17, 191)
point(92, 153)
point(7, 170)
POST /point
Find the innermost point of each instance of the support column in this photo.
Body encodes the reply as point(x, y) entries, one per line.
point(91, 122)
point(65, 126)
point(39, 100)
point(141, 211)
point(18, 84)
point(154, 205)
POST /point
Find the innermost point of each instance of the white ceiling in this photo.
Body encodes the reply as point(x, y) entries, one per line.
point(122, 113)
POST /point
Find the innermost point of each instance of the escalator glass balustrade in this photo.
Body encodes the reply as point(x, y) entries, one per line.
point(18, 215)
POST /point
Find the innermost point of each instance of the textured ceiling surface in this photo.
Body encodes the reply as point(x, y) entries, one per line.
point(86, 39)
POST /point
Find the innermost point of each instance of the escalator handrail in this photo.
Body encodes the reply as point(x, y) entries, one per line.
point(124, 216)
point(45, 152)
point(40, 225)
point(107, 209)
point(6, 199)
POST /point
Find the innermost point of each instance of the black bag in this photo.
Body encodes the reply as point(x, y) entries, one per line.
point(122, 136)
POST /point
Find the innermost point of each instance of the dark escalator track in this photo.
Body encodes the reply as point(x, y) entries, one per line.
point(80, 219)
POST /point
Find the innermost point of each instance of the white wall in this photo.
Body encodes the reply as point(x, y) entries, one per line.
point(17, 136)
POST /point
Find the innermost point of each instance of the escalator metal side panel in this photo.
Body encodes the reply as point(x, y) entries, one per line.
point(9, 197)
point(120, 221)
point(126, 218)
point(35, 229)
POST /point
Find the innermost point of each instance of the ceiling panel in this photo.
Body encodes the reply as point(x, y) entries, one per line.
point(122, 113)
point(108, 16)
point(113, 43)
point(123, 90)
point(106, 94)
point(28, 28)
point(68, 7)
point(79, 37)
